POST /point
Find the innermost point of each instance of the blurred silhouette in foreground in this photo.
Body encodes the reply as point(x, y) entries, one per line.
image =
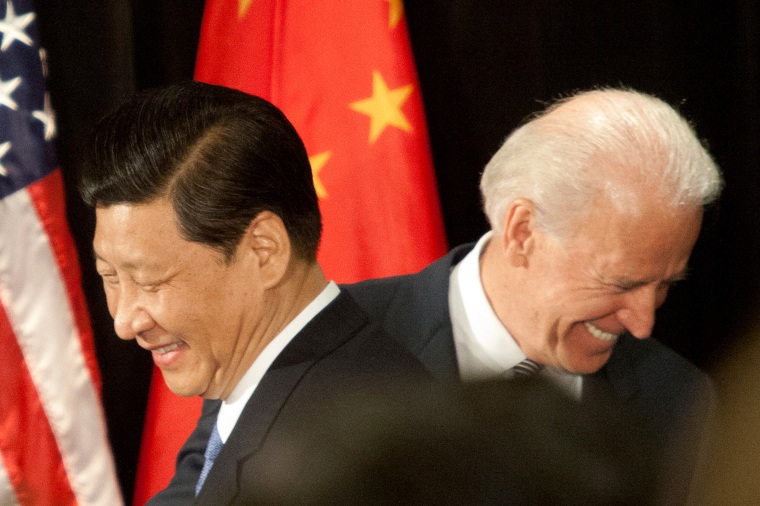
point(496, 442)
point(731, 472)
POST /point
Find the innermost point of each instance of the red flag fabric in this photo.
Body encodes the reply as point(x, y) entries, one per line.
point(344, 75)
point(54, 447)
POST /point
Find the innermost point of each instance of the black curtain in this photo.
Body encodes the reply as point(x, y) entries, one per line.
point(484, 65)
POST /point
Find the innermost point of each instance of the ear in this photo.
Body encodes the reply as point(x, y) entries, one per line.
point(519, 236)
point(267, 244)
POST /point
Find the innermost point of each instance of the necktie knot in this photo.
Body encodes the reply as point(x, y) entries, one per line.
point(212, 451)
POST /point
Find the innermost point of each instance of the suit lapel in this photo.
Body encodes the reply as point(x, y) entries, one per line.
point(332, 327)
point(437, 352)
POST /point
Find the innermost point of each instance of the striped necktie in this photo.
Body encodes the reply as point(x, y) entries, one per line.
point(212, 450)
point(526, 369)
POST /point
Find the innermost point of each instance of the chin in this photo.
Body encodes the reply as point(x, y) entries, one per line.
point(179, 386)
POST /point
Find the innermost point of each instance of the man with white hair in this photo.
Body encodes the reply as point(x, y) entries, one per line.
point(595, 206)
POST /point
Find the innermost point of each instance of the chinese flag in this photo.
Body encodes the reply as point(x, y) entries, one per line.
point(343, 74)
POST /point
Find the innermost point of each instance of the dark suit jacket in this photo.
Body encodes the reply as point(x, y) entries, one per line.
point(673, 396)
point(338, 348)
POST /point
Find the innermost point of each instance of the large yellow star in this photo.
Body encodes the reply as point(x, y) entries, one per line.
point(384, 107)
point(243, 7)
point(317, 162)
point(395, 12)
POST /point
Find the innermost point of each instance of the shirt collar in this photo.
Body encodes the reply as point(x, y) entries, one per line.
point(234, 404)
point(484, 346)
point(486, 338)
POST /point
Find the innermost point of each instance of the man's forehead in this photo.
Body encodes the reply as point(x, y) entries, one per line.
point(133, 230)
point(133, 219)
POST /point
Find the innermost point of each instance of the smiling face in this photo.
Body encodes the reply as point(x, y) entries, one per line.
point(178, 299)
point(570, 300)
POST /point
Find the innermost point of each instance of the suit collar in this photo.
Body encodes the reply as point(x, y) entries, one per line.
point(436, 352)
point(335, 325)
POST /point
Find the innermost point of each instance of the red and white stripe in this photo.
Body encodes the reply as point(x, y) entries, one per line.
point(53, 440)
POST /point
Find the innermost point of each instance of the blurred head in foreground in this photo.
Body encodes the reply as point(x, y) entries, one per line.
point(480, 443)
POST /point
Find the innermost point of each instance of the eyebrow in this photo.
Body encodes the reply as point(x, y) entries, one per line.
point(131, 265)
point(635, 283)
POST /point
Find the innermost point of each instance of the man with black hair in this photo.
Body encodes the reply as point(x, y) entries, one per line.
point(207, 227)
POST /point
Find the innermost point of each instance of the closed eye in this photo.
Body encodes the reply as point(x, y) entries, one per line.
point(628, 286)
point(151, 288)
point(154, 285)
point(109, 278)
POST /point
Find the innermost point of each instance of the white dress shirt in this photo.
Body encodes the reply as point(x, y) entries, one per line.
point(234, 404)
point(484, 347)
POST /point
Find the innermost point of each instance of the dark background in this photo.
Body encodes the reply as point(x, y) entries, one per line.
point(483, 65)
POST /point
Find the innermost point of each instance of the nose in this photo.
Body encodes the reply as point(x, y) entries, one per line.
point(130, 317)
point(637, 315)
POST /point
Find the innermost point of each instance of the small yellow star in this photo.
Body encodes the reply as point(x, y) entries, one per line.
point(395, 12)
point(384, 107)
point(317, 162)
point(243, 7)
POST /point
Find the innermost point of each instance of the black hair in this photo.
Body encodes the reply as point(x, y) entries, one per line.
point(219, 155)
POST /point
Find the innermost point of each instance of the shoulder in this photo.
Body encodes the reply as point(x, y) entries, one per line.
point(414, 310)
point(398, 295)
point(434, 273)
point(366, 350)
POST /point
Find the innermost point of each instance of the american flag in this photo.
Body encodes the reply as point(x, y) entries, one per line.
point(53, 441)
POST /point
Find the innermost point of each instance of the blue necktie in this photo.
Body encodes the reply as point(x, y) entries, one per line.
point(212, 450)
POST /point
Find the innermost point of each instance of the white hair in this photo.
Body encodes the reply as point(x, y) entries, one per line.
point(609, 141)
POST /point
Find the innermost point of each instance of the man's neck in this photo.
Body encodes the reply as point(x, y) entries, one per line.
point(302, 283)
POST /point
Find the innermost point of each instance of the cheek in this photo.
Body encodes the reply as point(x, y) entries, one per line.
point(574, 309)
point(573, 335)
point(564, 300)
point(199, 317)
point(169, 310)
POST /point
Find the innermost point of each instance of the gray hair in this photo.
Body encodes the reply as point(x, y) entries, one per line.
point(613, 142)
